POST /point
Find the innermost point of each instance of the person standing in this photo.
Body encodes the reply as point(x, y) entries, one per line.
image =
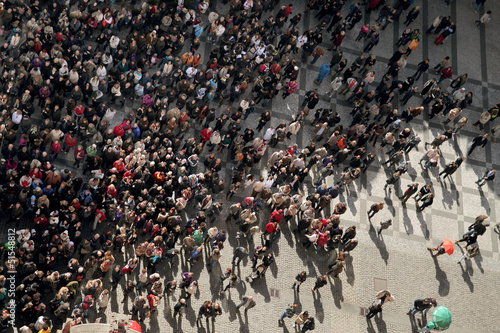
point(247, 302)
point(180, 307)
point(393, 179)
point(321, 281)
point(324, 71)
point(205, 310)
point(478, 141)
point(299, 279)
point(412, 15)
point(215, 311)
point(434, 25)
point(488, 176)
point(422, 67)
point(384, 225)
point(445, 74)
point(448, 31)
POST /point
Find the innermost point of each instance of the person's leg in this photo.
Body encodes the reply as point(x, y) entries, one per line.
point(283, 315)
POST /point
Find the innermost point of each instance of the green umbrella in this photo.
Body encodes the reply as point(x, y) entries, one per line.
point(441, 318)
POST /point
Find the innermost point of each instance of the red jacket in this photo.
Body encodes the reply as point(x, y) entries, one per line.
point(446, 72)
point(276, 216)
point(270, 227)
point(206, 133)
point(69, 141)
point(79, 154)
point(322, 239)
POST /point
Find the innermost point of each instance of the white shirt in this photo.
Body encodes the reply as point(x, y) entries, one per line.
point(191, 72)
point(17, 117)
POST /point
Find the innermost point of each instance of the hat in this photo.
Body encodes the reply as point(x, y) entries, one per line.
point(280, 211)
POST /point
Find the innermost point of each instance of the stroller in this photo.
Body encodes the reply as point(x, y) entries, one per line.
point(257, 273)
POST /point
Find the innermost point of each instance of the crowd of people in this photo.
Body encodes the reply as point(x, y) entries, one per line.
point(148, 192)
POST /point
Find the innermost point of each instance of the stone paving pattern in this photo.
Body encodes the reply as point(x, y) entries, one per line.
point(399, 256)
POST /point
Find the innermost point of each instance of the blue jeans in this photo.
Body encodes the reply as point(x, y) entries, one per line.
point(283, 315)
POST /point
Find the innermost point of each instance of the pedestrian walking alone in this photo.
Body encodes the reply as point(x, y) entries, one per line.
point(384, 225)
point(321, 281)
point(488, 176)
point(382, 297)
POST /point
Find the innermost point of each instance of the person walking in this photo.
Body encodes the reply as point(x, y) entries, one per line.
point(289, 312)
point(321, 281)
point(247, 302)
point(478, 141)
point(375, 208)
point(439, 250)
point(337, 267)
point(427, 200)
point(471, 251)
point(488, 176)
point(445, 61)
point(470, 237)
point(393, 179)
point(484, 19)
point(180, 307)
point(479, 221)
point(233, 282)
point(299, 279)
point(450, 168)
point(422, 305)
point(424, 190)
point(411, 189)
point(382, 297)
point(478, 4)
point(384, 225)
point(240, 253)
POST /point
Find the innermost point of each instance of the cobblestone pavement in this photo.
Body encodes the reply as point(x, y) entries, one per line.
point(398, 259)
